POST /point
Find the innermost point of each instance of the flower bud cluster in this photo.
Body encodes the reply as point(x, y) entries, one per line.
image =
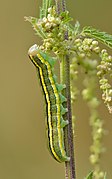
point(104, 69)
point(73, 78)
point(54, 29)
point(95, 122)
point(85, 47)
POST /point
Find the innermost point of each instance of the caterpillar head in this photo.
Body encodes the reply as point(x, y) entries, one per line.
point(33, 50)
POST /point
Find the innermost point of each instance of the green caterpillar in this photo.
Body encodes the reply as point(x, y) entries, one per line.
point(54, 100)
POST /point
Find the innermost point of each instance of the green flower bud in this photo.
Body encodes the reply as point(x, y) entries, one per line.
point(87, 41)
point(44, 19)
point(48, 25)
point(78, 41)
point(49, 9)
point(95, 43)
point(93, 159)
point(48, 45)
point(86, 48)
point(57, 20)
point(82, 55)
point(51, 19)
point(96, 49)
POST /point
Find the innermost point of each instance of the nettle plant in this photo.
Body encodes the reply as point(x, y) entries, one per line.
point(76, 50)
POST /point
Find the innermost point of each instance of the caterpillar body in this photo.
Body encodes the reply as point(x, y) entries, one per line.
point(54, 100)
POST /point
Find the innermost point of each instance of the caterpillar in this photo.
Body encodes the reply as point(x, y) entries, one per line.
point(54, 99)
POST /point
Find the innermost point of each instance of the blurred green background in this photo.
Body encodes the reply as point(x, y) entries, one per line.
point(23, 151)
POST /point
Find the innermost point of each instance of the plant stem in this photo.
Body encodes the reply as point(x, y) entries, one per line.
point(57, 3)
point(69, 144)
point(65, 79)
point(63, 5)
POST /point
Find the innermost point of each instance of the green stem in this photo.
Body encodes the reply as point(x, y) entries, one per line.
point(68, 132)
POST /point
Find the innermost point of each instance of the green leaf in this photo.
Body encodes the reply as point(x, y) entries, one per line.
point(89, 176)
point(32, 20)
point(77, 28)
point(105, 176)
point(36, 26)
point(66, 17)
point(44, 9)
point(101, 36)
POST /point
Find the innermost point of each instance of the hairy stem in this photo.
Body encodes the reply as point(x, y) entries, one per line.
point(69, 144)
point(58, 7)
point(63, 5)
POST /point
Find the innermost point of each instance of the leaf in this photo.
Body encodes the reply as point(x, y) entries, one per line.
point(101, 36)
point(36, 26)
point(105, 176)
point(32, 20)
point(44, 9)
point(90, 175)
point(66, 17)
point(77, 27)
